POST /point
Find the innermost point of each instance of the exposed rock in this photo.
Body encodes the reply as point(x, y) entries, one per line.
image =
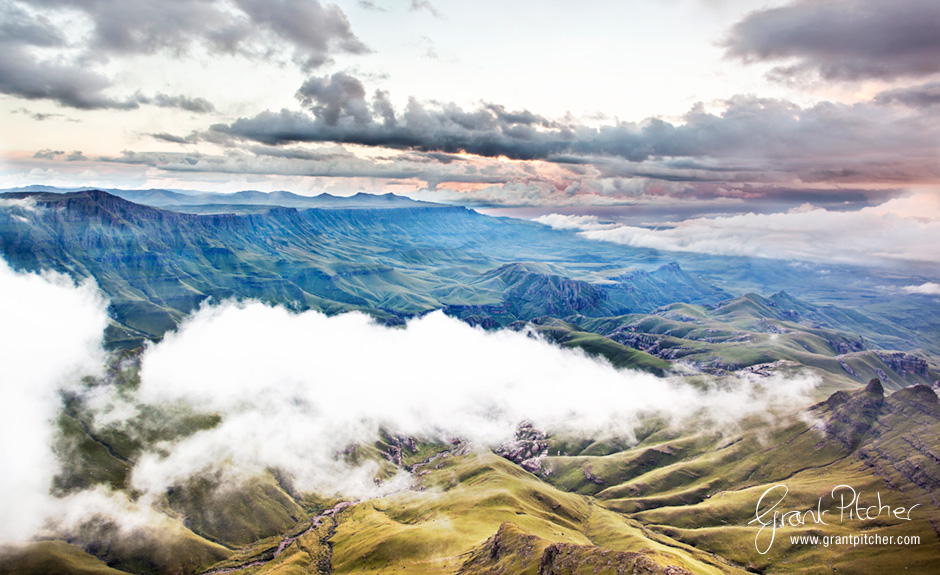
point(909, 457)
point(768, 326)
point(527, 449)
point(769, 369)
point(398, 443)
point(905, 364)
point(650, 343)
point(843, 347)
point(847, 369)
point(790, 314)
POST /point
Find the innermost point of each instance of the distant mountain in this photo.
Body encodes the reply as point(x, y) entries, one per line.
point(156, 266)
point(243, 202)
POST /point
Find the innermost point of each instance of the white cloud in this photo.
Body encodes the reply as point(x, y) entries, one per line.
point(563, 222)
point(929, 288)
point(50, 337)
point(296, 389)
point(26, 204)
point(899, 230)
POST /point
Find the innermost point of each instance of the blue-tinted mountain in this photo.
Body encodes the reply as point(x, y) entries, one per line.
point(249, 201)
point(158, 265)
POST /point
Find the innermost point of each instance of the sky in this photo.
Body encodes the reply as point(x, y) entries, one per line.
point(728, 103)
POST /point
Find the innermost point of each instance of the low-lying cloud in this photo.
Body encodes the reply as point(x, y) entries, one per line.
point(293, 391)
point(899, 230)
point(927, 288)
point(50, 338)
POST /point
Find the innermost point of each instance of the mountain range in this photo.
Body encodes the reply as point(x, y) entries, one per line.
point(668, 500)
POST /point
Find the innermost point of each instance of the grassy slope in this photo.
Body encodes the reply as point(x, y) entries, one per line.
point(706, 496)
point(841, 346)
point(51, 557)
point(465, 502)
point(676, 498)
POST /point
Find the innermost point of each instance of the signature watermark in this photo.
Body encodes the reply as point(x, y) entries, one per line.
point(846, 505)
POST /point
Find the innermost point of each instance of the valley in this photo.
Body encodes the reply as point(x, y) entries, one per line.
point(672, 496)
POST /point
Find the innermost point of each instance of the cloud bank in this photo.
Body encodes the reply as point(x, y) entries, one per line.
point(294, 391)
point(50, 338)
point(897, 231)
point(928, 288)
point(824, 142)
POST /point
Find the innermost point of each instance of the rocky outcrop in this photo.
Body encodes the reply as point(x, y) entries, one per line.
point(848, 369)
point(906, 364)
point(649, 343)
point(844, 347)
point(527, 449)
point(397, 445)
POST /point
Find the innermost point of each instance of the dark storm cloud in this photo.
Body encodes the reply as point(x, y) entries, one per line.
point(23, 76)
point(336, 153)
point(17, 27)
point(923, 96)
point(342, 113)
point(753, 139)
point(843, 39)
point(310, 30)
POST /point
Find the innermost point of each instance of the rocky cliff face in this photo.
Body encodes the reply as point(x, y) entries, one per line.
point(905, 364)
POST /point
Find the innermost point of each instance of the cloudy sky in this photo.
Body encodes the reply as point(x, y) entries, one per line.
point(831, 103)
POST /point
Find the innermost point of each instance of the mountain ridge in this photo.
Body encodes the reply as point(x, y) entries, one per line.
point(192, 201)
